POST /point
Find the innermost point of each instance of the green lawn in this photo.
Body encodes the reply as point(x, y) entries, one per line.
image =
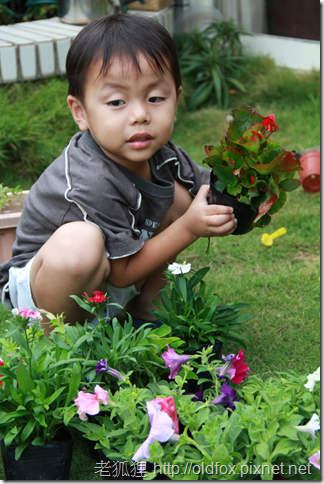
point(282, 283)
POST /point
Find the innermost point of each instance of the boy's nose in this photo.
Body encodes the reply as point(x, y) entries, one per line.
point(139, 114)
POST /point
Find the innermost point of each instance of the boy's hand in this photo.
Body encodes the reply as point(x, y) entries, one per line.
point(204, 220)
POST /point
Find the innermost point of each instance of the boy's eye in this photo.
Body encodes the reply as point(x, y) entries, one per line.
point(116, 103)
point(156, 99)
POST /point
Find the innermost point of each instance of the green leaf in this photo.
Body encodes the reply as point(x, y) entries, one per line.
point(18, 338)
point(225, 174)
point(201, 94)
point(74, 383)
point(279, 203)
point(11, 435)
point(19, 450)
point(24, 380)
point(262, 449)
point(237, 84)
point(288, 431)
point(289, 185)
point(183, 287)
point(217, 75)
point(53, 397)
point(284, 447)
point(38, 441)
point(27, 430)
point(198, 276)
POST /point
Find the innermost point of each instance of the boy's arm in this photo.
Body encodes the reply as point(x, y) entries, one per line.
point(200, 220)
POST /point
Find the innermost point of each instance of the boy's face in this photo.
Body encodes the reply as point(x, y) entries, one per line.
point(130, 114)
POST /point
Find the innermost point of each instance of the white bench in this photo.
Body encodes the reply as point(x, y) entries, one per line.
point(32, 50)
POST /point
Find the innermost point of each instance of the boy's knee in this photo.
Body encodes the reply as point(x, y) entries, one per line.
point(77, 249)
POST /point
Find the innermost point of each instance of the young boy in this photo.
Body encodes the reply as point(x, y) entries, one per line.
point(117, 205)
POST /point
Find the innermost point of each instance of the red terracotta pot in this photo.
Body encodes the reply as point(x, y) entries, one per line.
point(310, 176)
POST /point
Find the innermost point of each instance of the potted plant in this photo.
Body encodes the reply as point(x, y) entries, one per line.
point(118, 345)
point(249, 172)
point(310, 177)
point(38, 382)
point(194, 313)
point(241, 428)
point(11, 203)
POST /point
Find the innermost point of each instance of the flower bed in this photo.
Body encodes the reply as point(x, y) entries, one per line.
point(126, 391)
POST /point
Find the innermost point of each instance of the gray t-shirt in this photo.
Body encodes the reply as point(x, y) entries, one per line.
point(84, 184)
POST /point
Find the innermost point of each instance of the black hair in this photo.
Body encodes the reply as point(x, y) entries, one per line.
point(122, 35)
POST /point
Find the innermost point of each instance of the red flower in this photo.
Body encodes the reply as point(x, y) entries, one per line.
point(240, 368)
point(98, 297)
point(269, 122)
point(236, 172)
point(252, 179)
point(1, 364)
point(168, 406)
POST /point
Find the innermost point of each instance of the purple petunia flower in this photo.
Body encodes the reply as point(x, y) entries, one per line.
point(197, 397)
point(102, 366)
point(174, 361)
point(227, 397)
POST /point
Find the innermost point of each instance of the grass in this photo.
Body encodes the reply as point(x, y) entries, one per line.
point(282, 283)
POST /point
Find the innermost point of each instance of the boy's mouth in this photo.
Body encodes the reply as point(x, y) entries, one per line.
point(140, 140)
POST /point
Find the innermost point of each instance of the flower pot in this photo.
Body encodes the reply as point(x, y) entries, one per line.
point(9, 218)
point(243, 212)
point(310, 175)
point(49, 462)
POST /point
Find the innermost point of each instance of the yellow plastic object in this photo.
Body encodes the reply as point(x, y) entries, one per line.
point(267, 239)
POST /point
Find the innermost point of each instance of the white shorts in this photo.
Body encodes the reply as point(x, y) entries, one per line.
point(20, 295)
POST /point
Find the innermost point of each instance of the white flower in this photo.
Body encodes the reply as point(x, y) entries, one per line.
point(15, 311)
point(310, 427)
point(314, 377)
point(179, 268)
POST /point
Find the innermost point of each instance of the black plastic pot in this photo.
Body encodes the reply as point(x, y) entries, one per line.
point(51, 462)
point(192, 386)
point(243, 212)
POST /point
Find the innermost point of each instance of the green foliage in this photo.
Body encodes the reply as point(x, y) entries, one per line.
point(9, 194)
point(259, 434)
point(38, 383)
point(35, 126)
point(194, 313)
point(211, 60)
point(131, 351)
point(12, 11)
point(251, 168)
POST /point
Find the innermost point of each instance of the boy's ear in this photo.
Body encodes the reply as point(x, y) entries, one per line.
point(78, 112)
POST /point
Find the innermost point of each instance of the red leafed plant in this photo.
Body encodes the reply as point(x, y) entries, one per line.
point(250, 167)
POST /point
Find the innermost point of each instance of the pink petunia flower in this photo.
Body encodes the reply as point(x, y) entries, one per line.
point(168, 406)
point(161, 430)
point(174, 361)
point(89, 403)
point(315, 459)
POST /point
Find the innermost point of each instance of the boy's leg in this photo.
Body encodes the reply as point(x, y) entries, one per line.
point(140, 306)
point(72, 261)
